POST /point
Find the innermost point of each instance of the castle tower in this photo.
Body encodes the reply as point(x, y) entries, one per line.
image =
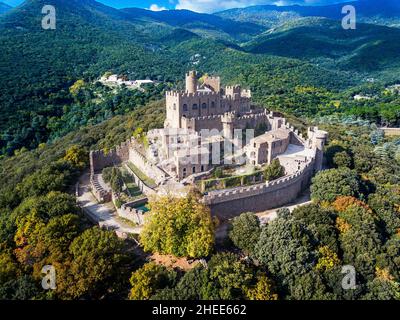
point(191, 82)
point(228, 120)
point(318, 140)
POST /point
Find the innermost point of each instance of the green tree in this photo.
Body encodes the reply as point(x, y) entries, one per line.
point(77, 156)
point(8, 268)
point(274, 171)
point(245, 232)
point(329, 184)
point(263, 290)
point(96, 259)
point(285, 249)
point(228, 276)
point(342, 160)
point(178, 226)
point(149, 279)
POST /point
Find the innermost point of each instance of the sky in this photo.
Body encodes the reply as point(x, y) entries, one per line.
point(197, 5)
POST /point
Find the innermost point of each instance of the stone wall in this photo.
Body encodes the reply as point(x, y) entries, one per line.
point(144, 165)
point(142, 186)
point(98, 191)
point(100, 160)
point(129, 212)
point(261, 197)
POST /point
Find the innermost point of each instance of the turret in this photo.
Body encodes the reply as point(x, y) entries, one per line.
point(318, 140)
point(191, 82)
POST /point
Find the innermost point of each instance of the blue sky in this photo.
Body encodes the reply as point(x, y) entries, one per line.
point(197, 5)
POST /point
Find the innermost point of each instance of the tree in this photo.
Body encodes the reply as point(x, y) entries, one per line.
point(331, 150)
point(8, 268)
point(342, 160)
point(263, 290)
point(113, 177)
point(274, 171)
point(329, 184)
point(320, 223)
point(362, 242)
point(229, 276)
point(96, 259)
point(21, 288)
point(245, 232)
point(327, 259)
point(178, 226)
point(147, 280)
point(76, 87)
point(382, 289)
point(285, 249)
point(77, 156)
point(341, 204)
point(364, 158)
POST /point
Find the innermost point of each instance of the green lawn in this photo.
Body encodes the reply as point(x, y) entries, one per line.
point(148, 181)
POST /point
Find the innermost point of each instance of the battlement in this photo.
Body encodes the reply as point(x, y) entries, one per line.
point(187, 95)
point(215, 116)
point(253, 115)
point(261, 188)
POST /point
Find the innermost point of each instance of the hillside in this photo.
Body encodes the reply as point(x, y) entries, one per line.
point(4, 8)
point(39, 66)
point(369, 11)
point(203, 24)
point(369, 48)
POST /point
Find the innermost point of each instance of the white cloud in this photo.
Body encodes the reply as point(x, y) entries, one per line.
point(219, 5)
point(155, 7)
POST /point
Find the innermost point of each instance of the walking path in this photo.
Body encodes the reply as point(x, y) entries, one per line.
point(102, 214)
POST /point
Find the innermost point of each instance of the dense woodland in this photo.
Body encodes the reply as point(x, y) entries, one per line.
point(54, 111)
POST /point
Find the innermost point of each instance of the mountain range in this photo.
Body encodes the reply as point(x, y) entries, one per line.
point(386, 12)
point(38, 66)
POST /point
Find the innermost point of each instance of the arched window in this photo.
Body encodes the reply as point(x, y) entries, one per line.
point(174, 106)
point(212, 104)
point(204, 106)
point(194, 107)
point(185, 108)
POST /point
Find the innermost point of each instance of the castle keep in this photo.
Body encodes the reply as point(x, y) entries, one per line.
point(208, 127)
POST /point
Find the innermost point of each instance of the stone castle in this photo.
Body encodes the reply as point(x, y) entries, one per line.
point(201, 133)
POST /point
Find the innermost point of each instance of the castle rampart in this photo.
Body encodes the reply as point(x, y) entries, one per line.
point(259, 197)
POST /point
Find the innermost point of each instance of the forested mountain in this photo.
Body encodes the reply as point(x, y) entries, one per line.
point(324, 41)
point(4, 7)
point(203, 24)
point(386, 12)
point(38, 67)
